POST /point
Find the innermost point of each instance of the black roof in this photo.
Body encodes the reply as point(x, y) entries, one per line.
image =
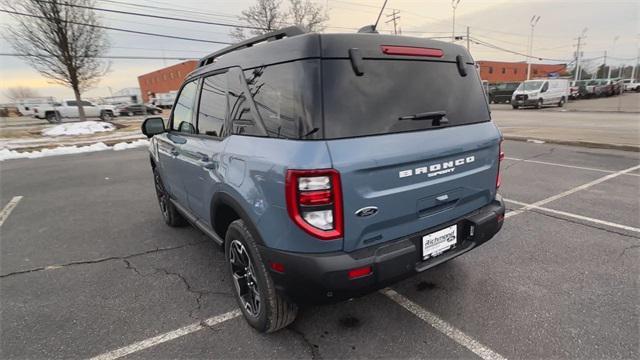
point(293, 44)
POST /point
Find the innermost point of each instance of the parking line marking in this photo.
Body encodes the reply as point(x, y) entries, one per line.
point(571, 191)
point(171, 335)
point(566, 166)
point(6, 211)
point(576, 216)
point(443, 326)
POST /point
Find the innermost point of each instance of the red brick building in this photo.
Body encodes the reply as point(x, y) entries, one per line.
point(165, 79)
point(500, 71)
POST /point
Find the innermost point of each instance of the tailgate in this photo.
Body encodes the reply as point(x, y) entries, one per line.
point(416, 180)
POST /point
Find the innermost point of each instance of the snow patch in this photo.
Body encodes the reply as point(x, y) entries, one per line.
point(535, 141)
point(6, 154)
point(78, 128)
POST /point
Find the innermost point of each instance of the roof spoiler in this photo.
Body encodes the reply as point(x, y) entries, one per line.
point(274, 35)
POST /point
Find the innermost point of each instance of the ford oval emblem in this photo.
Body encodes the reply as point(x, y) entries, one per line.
point(367, 211)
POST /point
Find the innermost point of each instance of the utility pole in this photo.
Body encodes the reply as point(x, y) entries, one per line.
point(468, 40)
point(454, 5)
point(578, 54)
point(633, 69)
point(394, 18)
point(534, 20)
point(604, 65)
point(613, 52)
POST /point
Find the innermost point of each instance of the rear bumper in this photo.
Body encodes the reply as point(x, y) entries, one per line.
point(321, 278)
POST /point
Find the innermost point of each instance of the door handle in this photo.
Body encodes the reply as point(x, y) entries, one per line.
point(442, 198)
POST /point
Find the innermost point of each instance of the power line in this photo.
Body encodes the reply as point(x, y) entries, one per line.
point(122, 30)
point(173, 10)
point(159, 16)
point(128, 57)
point(493, 46)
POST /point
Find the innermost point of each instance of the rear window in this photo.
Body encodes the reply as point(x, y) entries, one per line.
point(389, 89)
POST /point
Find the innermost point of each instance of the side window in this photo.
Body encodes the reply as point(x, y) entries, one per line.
point(545, 87)
point(72, 103)
point(240, 115)
point(183, 109)
point(279, 99)
point(213, 105)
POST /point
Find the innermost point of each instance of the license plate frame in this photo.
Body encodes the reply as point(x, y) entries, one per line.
point(437, 242)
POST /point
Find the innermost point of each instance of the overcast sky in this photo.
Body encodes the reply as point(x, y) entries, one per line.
point(499, 22)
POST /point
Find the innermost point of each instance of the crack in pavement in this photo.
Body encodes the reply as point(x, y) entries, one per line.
point(101, 260)
point(624, 251)
point(313, 348)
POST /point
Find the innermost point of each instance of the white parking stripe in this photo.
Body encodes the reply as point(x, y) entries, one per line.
point(576, 216)
point(443, 326)
point(171, 335)
point(4, 214)
point(566, 166)
point(571, 191)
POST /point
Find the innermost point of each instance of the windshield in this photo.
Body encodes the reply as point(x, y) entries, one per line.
point(530, 85)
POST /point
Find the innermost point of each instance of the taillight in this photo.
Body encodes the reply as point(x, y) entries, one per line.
point(411, 51)
point(314, 202)
point(500, 158)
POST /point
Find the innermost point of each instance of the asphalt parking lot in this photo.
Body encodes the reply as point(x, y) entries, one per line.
point(88, 268)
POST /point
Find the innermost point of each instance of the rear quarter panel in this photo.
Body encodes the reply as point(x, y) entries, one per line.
point(254, 170)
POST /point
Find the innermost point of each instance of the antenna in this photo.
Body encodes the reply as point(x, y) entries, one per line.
point(380, 14)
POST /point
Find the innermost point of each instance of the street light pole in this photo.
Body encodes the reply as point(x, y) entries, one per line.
point(532, 23)
point(454, 5)
point(612, 55)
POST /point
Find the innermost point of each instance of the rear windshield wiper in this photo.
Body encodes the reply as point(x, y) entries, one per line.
point(438, 117)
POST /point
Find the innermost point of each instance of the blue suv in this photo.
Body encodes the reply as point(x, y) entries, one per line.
point(329, 165)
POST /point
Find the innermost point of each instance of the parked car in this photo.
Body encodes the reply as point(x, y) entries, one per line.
point(539, 93)
point(610, 87)
point(578, 89)
point(326, 176)
point(631, 85)
point(138, 109)
point(69, 109)
point(501, 93)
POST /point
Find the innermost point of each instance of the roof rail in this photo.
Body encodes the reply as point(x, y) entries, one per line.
point(274, 35)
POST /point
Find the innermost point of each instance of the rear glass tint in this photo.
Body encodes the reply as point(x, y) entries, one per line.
point(371, 104)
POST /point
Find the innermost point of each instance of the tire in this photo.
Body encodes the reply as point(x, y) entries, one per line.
point(516, 107)
point(249, 277)
point(539, 104)
point(53, 118)
point(169, 212)
point(106, 116)
point(561, 102)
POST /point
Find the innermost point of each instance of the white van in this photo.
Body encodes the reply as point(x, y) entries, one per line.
point(539, 93)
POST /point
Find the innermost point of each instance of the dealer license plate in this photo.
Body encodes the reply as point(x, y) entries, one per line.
point(438, 242)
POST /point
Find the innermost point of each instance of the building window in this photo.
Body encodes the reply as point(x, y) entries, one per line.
point(515, 70)
point(535, 71)
point(164, 77)
point(490, 69)
point(171, 75)
point(179, 73)
point(504, 71)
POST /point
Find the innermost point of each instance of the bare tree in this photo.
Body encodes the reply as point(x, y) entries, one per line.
point(265, 15)
point(59, 39)
point(269, 16)
point(20, 92)
point(307, 15)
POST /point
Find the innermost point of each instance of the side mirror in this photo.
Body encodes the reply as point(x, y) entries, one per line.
point(153, 126)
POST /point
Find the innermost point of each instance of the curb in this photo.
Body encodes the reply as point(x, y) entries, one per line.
point(588, 144)
point(109, 142)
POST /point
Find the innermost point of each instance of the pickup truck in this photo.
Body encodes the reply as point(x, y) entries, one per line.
point(69, 109)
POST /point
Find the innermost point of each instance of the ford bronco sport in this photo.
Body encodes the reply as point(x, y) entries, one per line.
point(329, 165)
